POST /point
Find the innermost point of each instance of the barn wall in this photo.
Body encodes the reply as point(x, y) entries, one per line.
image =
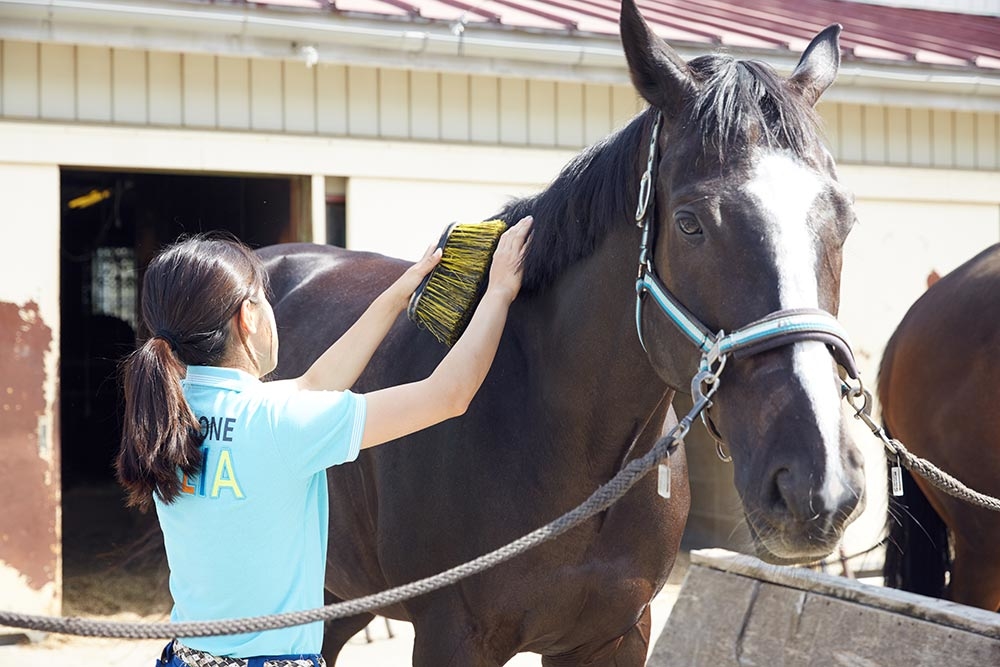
point(30, 546)
point(92, 84)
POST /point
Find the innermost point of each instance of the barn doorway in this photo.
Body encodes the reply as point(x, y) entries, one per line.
point(112, 225)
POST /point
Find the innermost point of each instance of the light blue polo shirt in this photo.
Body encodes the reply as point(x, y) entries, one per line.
point(248, 535)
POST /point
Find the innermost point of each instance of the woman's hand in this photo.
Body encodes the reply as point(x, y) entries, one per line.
point(397, 411)
point(506, 271)
point(408, 283)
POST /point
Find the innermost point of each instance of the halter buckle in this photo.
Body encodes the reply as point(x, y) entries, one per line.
point(714, 355)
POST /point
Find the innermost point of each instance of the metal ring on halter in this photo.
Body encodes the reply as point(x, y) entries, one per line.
point(646, 184)
point(710, 377)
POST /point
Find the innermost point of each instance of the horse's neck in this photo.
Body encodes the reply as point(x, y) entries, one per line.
point(596, 372)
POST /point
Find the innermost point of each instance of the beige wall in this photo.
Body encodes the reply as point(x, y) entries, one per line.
point(30, 542)
point(401, 218)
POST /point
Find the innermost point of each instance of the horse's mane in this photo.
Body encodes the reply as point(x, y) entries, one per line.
point(593, 192)
point(745, 103)
point(740, 104)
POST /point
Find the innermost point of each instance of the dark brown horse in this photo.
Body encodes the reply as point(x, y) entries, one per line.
point(939, 386)
point(748, 219)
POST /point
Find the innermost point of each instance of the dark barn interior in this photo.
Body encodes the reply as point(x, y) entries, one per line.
point(113, 223)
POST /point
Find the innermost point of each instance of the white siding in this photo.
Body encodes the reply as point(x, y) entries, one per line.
point(128, 87)
point(20, 80)
point(331, 99)
point(484, 109)
point(513, 111)
point(851, 134)
point(135, 87)
point(987, 141)
point(93, 84)
point(942, 138)
point(569, 114)
point(234, 93)
point(965, 140)
point(166, 97)
point(542, 113)
point(597, 118)
point(394, 104)
point(455, 107)
point(921, 154)
point(625, 103)
point(266, 95)
point(199, 81)
point(362, 102)
point(425, 105)
point(897, 136)
point(58, 82)
point(299, 97)
point(875, 150)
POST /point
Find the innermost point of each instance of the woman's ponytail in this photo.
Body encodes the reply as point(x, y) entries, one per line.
point(160, 434)
point(190, 294)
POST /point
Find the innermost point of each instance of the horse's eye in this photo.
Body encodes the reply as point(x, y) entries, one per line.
point(688, 224)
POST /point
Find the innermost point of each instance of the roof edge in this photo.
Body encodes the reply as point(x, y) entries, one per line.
point(499, 51)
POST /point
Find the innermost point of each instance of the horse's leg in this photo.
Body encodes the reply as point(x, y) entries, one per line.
point(628, 650)
point(337, 632)
point(975, 578)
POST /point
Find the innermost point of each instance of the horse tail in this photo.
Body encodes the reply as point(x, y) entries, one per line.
point(917, 553)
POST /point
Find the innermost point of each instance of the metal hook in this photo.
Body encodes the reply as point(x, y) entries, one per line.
point(646, 184)
point(721, 452)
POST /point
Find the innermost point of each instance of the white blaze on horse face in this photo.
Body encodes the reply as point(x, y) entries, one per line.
point(786, 190)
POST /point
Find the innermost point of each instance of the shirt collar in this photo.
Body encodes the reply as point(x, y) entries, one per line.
point(220, 376)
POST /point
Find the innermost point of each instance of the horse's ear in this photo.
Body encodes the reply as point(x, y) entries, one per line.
point(659, 73)
point(818, 66)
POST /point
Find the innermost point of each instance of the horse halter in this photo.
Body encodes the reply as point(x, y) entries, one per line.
point(780, 328)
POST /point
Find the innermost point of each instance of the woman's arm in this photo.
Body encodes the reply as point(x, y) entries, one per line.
point(343, 362)
point(397, 411)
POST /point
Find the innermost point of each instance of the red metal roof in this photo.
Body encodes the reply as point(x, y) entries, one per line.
point(871, 32)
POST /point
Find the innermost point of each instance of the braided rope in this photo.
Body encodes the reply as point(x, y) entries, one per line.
point(941, 479)
point(598, 501)
point(912, 462)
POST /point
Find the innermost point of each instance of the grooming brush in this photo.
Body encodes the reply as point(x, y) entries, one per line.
point(446, 298)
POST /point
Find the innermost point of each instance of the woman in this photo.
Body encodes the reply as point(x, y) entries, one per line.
point(235, 467)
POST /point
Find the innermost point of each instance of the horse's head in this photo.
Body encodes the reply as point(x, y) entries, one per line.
point(749, 219)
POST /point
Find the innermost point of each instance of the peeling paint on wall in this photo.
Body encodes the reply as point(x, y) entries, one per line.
point(29, 480)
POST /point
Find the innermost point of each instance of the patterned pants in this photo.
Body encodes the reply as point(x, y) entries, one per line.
point(179, 655)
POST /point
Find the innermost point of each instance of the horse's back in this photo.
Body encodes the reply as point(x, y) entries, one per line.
point(318, 292)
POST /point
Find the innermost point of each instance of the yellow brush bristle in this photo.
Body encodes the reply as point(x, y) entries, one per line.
point(444, 303)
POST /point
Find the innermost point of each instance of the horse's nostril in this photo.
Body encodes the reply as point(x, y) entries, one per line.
point(780, 490)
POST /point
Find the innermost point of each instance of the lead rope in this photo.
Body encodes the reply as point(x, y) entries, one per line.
point(599, 501)
point(897, 452)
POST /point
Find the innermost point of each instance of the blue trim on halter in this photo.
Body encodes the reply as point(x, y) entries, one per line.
point(690, 328)
point(780, 325)
point(786, 324)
